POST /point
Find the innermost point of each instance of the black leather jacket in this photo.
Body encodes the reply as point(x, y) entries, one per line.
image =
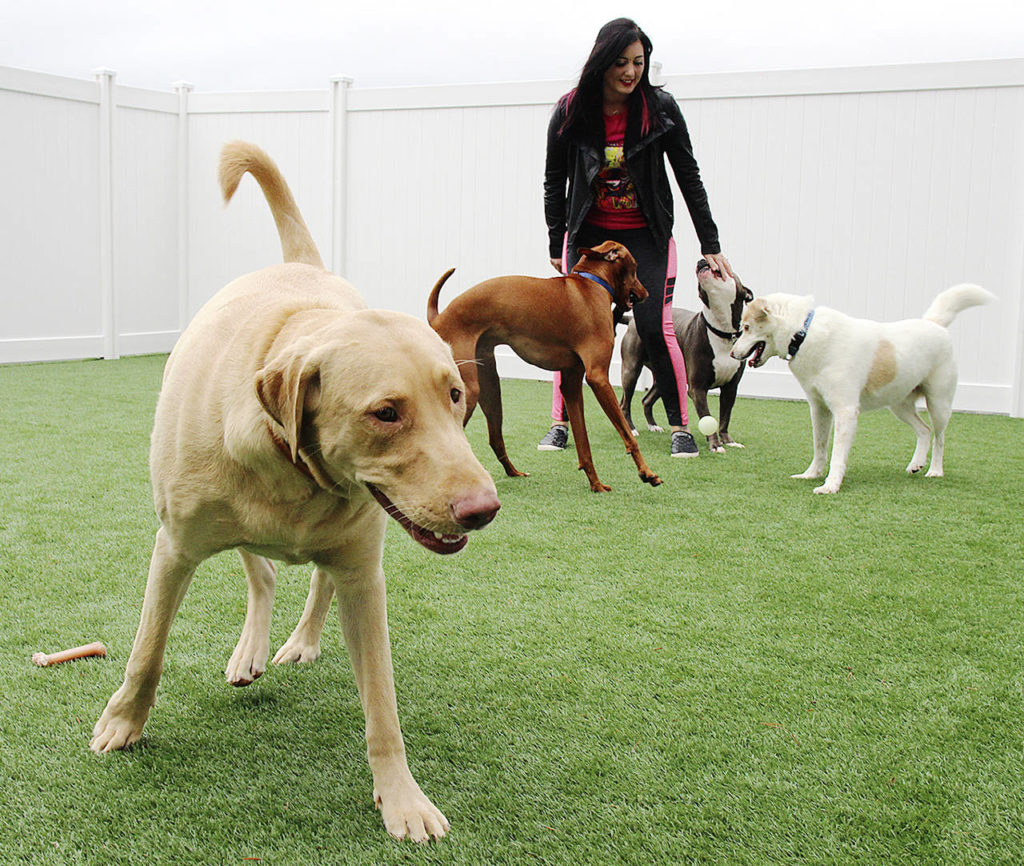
point(574, 159)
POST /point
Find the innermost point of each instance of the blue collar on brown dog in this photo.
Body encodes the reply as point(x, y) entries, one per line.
point(596, 279)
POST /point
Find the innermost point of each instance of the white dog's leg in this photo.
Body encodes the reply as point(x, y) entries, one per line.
point(406, 810)
point(126, 712)
point(821, 428)
point(907, 413)
point(940, 410)
point(249, 660)
point(304, 643)
point(842, 442)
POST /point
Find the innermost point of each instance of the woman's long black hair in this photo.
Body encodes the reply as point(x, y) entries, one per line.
point(583, 103)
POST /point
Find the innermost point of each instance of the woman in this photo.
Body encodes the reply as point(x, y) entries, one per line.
point(605, 179)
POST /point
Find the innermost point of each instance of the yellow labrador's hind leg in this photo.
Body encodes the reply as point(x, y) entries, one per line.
point(304, 643)
point(249, 660)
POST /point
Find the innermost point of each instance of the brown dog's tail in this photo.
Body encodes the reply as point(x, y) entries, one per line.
point(435, 293)
point(239, 157)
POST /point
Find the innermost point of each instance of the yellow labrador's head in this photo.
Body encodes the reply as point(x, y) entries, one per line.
point(374, 400)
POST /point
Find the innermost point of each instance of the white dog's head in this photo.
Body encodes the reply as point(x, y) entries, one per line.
point(767, 328)
point(373, 400)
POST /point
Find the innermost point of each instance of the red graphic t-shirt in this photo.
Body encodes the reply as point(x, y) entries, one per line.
point(615, 201)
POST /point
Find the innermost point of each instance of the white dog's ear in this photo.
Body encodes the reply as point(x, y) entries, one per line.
point(759, 310)
point(287, 387)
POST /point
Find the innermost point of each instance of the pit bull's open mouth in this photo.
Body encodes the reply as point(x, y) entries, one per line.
point(433, 541)
point(702, 266)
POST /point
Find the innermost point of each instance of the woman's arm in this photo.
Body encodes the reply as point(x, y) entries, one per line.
point(684, 165)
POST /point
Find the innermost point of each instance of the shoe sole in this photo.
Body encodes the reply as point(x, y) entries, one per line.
point(549, 448)
point(687, 454)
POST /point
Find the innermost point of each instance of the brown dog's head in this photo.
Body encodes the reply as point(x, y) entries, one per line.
point(616, 266)
point(374, 401)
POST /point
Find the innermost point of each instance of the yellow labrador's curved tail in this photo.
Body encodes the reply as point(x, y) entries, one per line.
point(239, 157)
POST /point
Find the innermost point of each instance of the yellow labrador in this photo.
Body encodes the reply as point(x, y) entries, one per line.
point(291, 422)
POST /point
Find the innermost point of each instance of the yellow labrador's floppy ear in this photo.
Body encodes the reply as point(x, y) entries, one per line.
point(286, 387)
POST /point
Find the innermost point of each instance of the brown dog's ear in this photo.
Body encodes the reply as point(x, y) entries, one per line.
point(609, 251)
point(286, 388)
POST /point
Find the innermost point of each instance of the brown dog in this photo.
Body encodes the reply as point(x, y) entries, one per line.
point(562, 323)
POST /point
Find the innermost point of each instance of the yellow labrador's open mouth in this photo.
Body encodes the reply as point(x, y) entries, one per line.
point(434, 541)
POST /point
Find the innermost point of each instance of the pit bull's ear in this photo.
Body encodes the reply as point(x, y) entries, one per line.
point(286, 388)
point(748, 295)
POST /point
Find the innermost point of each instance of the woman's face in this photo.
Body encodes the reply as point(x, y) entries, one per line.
point(622, 77)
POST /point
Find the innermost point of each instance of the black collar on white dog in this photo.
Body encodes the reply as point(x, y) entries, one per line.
point(725, 335)
point(800, 336)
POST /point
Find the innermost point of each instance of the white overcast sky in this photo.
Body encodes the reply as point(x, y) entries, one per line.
point(301, 44)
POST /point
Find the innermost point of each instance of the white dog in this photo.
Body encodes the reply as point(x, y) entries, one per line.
point(291, 422)
point(847, 366)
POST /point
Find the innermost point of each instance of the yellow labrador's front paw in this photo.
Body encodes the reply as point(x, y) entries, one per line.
point(117, 728)
point(408, 814)
point(828, 487)
point(248, 662)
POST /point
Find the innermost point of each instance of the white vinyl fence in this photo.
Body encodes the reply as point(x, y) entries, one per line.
point(871, 188)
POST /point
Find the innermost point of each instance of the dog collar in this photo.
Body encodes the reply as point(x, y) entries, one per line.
point(800, 336)
point(596, 279)
point(304, 464)
point(725, 335)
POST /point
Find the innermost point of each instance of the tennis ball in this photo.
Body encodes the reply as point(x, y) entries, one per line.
point(708, 425)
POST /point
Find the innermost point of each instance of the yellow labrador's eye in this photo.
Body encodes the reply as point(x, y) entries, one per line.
point(456, 395)
point(388, 414)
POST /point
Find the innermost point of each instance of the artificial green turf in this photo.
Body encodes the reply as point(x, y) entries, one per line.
point(725, 668)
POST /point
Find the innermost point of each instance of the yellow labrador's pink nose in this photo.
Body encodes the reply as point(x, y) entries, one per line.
point(475, 510)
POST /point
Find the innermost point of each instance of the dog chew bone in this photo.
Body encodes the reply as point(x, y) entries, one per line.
point(78, 652)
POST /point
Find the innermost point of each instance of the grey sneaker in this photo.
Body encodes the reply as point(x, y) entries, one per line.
point(683, 444)
point(555, 439)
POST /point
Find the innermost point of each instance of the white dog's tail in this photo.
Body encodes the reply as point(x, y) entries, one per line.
point(239, 157)
point(952, 301)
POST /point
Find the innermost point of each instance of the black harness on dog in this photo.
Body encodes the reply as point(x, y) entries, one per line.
point(800, 336)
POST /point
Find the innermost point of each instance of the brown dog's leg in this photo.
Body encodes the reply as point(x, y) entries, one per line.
point(490, 403)
point(572, 392)
point(598, 381)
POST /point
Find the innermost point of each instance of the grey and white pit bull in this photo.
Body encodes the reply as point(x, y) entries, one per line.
point(706, 339)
